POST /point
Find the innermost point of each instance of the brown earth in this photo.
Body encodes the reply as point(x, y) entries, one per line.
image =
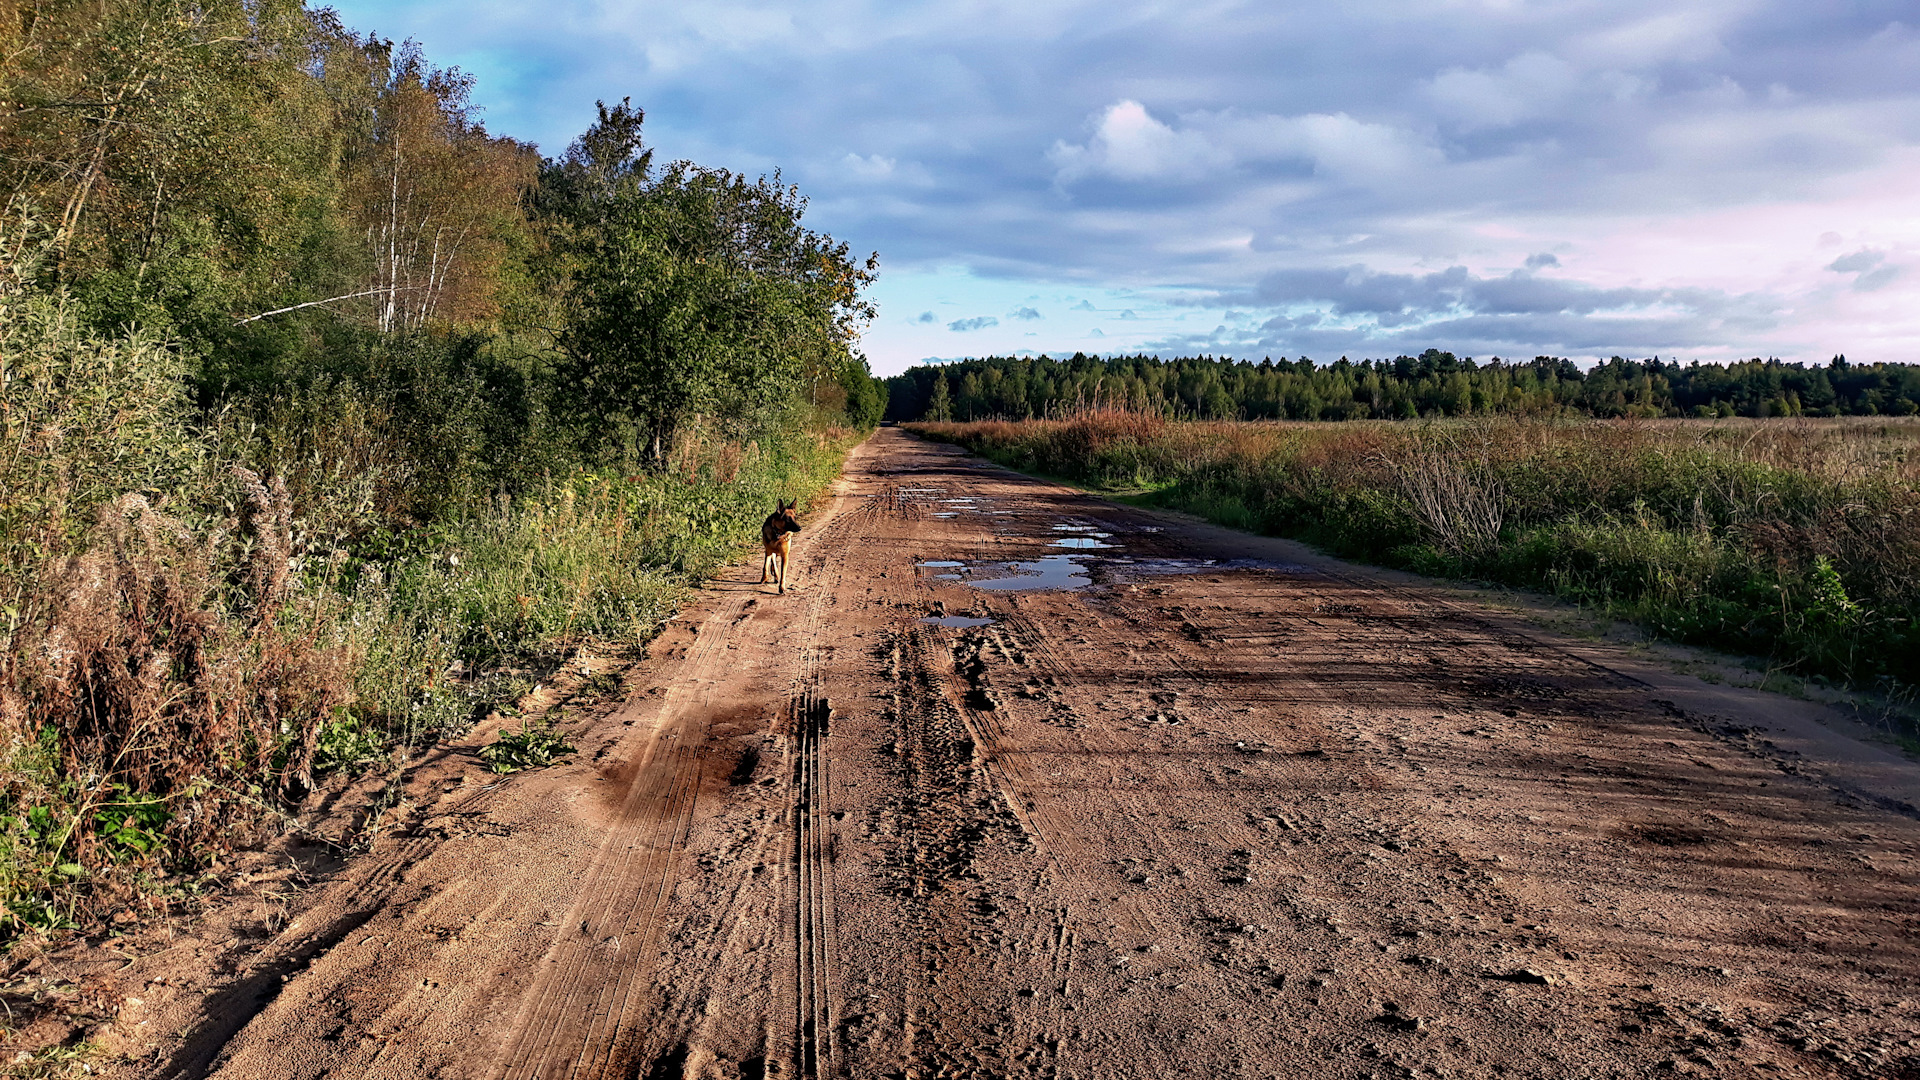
point(1269, 816)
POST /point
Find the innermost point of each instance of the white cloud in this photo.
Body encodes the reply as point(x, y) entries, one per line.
point(1129, 144)
point(871, 167)
point(1529, 85)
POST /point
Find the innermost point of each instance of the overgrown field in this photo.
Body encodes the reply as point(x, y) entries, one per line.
point(1793, 540)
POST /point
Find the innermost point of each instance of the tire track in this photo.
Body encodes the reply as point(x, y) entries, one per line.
point(573, 1022)
point(813, 1022)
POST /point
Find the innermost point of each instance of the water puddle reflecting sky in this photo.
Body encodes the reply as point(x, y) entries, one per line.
point(1046, 572)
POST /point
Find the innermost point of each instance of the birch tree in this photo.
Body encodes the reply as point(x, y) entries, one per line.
point(436, 200)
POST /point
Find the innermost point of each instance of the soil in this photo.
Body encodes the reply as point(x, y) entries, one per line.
point(1209, 805)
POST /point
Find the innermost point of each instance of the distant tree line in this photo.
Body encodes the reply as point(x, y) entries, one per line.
point(1435, 383)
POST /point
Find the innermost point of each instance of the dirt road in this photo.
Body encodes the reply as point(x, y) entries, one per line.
point(1249, 817)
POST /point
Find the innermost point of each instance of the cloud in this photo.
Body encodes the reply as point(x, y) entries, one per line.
point(1866, 263)
point(872, 167)
point(1025, 313)
point(980, 322)
point(1082, 306)
point(925, 317)
point(1541, 259)
point(1875, 280)
point(1856, 262)
point(1129, 144)
point(1530, 85)
point(1357, 311)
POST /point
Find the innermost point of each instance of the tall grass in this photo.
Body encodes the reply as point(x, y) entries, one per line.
point(1793, 540)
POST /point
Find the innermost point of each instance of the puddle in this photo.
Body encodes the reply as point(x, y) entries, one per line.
point(1078, 528)
point(943, 562)
point(946, 515)
point(1046, 572)
point(957, 621)
point(1132, 570)
point(1082, 542)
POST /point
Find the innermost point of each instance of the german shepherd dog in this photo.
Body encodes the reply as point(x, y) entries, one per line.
point(773, 537)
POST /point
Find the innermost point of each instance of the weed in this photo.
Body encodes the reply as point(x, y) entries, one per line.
point(536, 745)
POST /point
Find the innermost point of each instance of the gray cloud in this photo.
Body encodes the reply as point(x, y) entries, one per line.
point(1358, 312)
point(979, 322)
point(1025, 313)
point(1876, 279)
point(1541, 259)
point(925, 317)
point(1856, 262)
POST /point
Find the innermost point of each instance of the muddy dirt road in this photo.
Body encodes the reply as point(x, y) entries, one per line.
point(1130, 813)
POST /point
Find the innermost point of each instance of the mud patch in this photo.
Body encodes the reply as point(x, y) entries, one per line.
point(1668, 834)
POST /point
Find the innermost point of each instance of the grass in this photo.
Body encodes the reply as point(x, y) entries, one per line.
point(213, 678)
point(1790, 540)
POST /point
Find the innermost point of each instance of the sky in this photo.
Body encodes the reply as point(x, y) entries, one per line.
point(1580, 178)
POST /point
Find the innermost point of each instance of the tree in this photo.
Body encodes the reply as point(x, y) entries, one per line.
point(699, 293)
point(940, 405)
point(436, 200)
point(183, 150)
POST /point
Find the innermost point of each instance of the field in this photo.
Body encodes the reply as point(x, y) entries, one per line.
point(1790, 540)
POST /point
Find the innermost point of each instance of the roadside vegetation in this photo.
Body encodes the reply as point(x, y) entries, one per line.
point(1791, 540)
point(329, 420)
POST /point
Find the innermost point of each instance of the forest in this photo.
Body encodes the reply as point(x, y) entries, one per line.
point(330, 421)
point(1435, 383)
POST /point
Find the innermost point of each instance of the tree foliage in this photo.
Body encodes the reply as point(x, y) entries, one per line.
point(697, 293)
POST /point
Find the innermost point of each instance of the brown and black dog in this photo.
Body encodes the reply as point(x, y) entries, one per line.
point(773, 537)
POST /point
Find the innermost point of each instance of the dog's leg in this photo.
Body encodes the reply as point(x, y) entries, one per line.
point(765, 562)
point(782, 571)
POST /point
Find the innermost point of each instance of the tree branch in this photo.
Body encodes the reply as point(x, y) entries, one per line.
point(313, 303)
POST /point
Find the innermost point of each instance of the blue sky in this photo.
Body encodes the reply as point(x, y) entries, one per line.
point(1496, 177)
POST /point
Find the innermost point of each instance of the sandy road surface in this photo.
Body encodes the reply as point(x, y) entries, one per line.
point(1255, 818)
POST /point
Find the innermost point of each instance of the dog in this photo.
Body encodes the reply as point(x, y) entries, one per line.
point(773, 537)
